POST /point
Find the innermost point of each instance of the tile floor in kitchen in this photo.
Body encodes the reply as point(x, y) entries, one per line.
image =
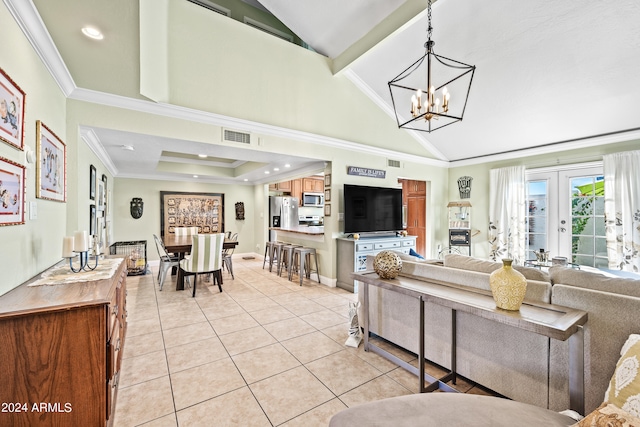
point(265, 352)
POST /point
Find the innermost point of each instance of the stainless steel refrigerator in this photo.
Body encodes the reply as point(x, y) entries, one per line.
point(283, 213)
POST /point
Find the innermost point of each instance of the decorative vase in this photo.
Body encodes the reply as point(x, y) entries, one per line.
point(387, 264)
point(508, 286)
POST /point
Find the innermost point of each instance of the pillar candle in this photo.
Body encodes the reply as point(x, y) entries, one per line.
point(81, 241)
point(67, 247)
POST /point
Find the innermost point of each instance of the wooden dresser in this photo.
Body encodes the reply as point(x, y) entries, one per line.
point(60, 351)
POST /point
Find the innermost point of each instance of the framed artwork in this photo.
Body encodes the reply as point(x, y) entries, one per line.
point(11, 192)
point(11, 112)
point(92, 219)
point(92, 182)
point(100, 196)
point(327, 210)
point(327, 195)
point(51, 167)
point(106, 198)
point(327, 180)
point(202, 210)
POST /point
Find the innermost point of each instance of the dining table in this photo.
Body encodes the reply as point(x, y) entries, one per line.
point(181, 245)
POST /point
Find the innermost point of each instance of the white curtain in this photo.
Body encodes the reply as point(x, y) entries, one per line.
point(622, 209)
point(507, 213)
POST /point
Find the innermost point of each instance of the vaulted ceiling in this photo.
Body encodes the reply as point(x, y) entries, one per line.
point(551, 75)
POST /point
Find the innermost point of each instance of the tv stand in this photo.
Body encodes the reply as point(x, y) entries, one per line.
point(352, 254)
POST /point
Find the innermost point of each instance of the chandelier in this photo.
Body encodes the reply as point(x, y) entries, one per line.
point(432, 92)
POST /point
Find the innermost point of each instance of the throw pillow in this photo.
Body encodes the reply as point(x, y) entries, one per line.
point(624, 387)
point(415, 254)
point(608, 415)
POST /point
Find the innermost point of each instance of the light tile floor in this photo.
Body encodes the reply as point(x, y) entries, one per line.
point(265, 352)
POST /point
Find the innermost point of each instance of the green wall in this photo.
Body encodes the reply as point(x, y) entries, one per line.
point(30, 248)
point(480, 185)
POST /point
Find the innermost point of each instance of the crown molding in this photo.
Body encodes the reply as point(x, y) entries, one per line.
point(28, 19)
point(92, 140)
point(189, 114)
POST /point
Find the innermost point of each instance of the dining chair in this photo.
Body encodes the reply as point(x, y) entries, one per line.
point(185, 231)
point(226, 255)
point(166, 261)
point(205, 257)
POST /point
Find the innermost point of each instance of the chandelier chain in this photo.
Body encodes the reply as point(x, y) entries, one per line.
point(429, 28)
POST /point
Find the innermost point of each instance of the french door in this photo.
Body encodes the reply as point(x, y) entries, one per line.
point(565, 214)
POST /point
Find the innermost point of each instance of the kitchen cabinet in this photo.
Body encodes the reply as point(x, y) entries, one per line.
point(296, 189)
point(416, 188)
point(414, 200)
point(312, 185)
point(416, 221)
point(61, 351)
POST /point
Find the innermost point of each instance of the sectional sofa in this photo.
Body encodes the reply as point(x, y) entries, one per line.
point(521, 365)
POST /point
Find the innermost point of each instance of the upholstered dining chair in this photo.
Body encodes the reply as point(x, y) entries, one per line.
point(226, 255)
point(185, 231)
point(205, 257)
point(166, 261)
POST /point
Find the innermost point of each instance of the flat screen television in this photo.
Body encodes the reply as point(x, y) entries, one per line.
point(372, 209)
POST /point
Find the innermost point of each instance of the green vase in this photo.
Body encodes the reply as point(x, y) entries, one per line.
point(508, 286)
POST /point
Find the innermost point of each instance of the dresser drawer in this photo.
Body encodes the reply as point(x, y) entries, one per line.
point(388, 245)
point(360, 247)
point(408, 243)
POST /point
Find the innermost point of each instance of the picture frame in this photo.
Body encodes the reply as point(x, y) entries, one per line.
point(106, 198)
point(12, 192)
point(51, 166)
point(327, 209)
point(327, 180)
point(92, 182)
point(185, 209)
point(327, 195)
point(12, 100)
point(92, 219)
point(100, 196)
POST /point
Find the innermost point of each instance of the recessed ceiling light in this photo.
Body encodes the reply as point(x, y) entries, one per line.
point(127, 147)
point(267, 172)
point(202, 156)
point(245, 180)
point(276, 169)
point(287, 165)
point(92, 32)
point(195, 176)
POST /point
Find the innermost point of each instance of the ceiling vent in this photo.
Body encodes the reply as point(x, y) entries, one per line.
point(267, 29)
point(212, 6)
point(235, 136)
point(393, 163)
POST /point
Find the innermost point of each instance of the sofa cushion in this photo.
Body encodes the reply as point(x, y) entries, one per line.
point(595, 281)
point(608, 415)
point(624, 387)
point(464, 262)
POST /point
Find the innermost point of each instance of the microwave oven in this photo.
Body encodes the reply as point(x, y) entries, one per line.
point(313, 199)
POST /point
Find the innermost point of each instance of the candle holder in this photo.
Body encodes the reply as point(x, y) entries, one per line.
point(84, 262)
point(84, 257)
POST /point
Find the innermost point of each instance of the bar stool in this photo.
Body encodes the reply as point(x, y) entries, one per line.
point(276, 254)
point(287, 258)
point(268, 250)
point(302, 256)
